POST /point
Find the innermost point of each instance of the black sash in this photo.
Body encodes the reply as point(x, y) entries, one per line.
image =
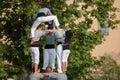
point(66, 46)
point(49, 46)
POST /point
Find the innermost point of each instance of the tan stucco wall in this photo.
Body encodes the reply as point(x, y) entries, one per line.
point(111, 46)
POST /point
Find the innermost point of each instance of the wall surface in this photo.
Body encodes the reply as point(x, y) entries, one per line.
point(111, 46)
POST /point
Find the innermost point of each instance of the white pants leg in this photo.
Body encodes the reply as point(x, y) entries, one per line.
point(49, 57)
point(35, 54)
point(43, 19)
point(65, 55)
point(45, 59)
point(52, 56)
point(59, 58)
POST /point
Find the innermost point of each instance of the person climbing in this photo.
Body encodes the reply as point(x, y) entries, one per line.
point(49, 51)
point(43, 15)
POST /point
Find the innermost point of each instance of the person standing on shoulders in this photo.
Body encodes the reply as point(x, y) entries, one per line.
point(49, 51)
point(60, 36)
point(34, 47)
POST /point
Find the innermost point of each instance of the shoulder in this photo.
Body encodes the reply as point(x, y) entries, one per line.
point(52, 74)
point(62, 76)
point(63, 31)
point(39, 75)
point(34, 76)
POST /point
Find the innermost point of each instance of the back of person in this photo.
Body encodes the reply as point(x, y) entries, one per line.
point(59, 33)
point(38, 34)
point(42, 12)
point(35, 76)
point(61, 76)
point(49, 78)
point(50, 39)
point(52, 76)
point(46, 11)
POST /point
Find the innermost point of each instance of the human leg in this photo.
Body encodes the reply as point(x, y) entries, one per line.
point(45, 59)
point(32, 56)
point(35, 58)
point(65, 56)
point(52, 58)
point(59, 60)
point(64, 67)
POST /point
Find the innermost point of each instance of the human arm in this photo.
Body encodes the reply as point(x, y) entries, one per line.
point(32, 41)
point(45, 74)
point(51, 74)
point(48, 31)
point(43, 19)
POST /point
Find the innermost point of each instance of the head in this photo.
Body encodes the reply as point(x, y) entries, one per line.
point(68, 36)
point(50, 27)
point(46, 5)
point(48, 69)
point(50, 24)
point(39, 26)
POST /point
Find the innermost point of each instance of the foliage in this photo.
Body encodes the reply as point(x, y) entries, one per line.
point(109, 70)
point(16, 19)
point(13, 21)
point(2, 69)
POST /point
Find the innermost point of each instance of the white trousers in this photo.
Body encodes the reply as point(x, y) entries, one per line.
point(49, 57)
point(59, 58)
point(43, 19)
point(65, 55)
point(35, 54)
